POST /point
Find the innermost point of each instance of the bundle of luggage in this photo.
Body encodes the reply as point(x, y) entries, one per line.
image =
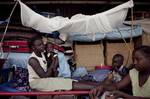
point(16, 38)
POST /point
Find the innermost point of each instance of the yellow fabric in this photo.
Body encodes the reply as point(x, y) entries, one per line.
point(143, 91)
point(51, 84)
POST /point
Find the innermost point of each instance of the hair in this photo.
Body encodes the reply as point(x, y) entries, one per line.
point(118, 55)
point(144, 49)
point(33, 39)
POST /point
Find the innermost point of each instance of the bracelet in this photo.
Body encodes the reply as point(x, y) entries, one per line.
point(55, 55)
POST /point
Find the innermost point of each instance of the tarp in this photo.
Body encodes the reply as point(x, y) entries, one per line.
point(99, 23)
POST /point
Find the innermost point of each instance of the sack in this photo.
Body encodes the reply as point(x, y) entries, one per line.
point(20, 79)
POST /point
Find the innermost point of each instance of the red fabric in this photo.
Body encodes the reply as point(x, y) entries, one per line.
point(16, 46)
point(103, 67)
point(15, 42)
point(59, 48)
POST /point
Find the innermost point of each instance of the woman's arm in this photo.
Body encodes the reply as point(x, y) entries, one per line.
point(119, 94)
point(123, 83)
point(119, 85)
point(110, 87)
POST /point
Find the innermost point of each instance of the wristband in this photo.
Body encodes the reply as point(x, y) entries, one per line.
point(55, 55)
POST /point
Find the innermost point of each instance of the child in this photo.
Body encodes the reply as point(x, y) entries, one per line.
point(40, 76)
point(119, 70)
point(117, 63)
point(139, 77)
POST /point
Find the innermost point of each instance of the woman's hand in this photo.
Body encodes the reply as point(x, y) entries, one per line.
point(116, 95)
point(96, 92)
point(110, 97)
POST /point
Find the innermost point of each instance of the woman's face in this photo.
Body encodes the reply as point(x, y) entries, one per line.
point(140, 61)
point(39, 46)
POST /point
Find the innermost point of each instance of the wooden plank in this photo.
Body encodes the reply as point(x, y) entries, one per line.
point(119, 48)
point(44, 93)
point(146, 39)
point(73, 2)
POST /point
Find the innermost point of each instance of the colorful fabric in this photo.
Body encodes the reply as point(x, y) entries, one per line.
point(20, 79)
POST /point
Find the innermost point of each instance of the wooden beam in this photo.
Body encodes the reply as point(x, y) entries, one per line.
point(72, 2)
point(44, 93)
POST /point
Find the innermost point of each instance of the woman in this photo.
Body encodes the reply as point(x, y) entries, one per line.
point(139, 77)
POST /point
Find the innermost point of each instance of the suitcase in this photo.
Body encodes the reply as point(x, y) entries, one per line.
point(16, 46)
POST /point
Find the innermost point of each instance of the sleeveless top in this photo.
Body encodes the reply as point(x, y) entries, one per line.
point(42, 60)
point(143, 91)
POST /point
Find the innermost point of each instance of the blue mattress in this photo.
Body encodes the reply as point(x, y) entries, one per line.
point(116, 34)
point(16, 60)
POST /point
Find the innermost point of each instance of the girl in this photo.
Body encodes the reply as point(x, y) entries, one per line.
point(40, 74)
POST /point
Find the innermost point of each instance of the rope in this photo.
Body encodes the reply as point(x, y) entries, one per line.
point(131, 39)
point(125, 44)
point(131, 24)
point(130, 52)
point(1, 49)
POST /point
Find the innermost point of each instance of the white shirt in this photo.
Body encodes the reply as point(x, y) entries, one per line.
point(42, 60)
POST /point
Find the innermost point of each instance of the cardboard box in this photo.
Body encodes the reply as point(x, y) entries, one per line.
point(89, 55)
point(121, 48)
point(146, 39)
